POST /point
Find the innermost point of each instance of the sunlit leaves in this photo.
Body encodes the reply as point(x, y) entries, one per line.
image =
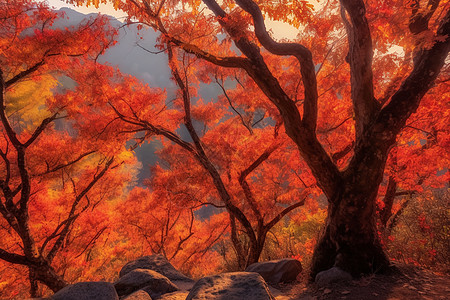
point(70, 173)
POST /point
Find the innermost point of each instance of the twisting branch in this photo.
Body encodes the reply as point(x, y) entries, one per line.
point(93, 240)
point(301, 132)
point(183, 240)
point(3, 118)
point(360, 56)
point(156, 23)
point(299, 51)
point(201, 154)
point(143, 125)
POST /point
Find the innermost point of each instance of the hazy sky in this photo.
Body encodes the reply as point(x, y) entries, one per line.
point(280, 30)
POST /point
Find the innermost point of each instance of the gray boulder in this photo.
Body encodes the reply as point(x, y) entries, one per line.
point(231, 286)
point(332, 275)
point(150, 281)
point(277, 271)
point(157, 263)
point(87, 291)
point(138, 295)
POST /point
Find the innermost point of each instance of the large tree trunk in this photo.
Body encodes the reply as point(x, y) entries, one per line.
point(350, 239)
point(44, 272)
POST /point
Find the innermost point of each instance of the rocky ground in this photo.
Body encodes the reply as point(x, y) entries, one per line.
point(408, 283)
point(154, 278)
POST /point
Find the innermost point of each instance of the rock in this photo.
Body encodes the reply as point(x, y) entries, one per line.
point(183, 285)
point(277, 271)
point(138, 295)
point(157, 263)
point(150, 281)
point(231, 286)
point(180, 295)
point(332, 275)
point(87, 291)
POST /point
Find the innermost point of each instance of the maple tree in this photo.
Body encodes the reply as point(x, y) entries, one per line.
point(170, 229)
point(341, 73)
point(52, 173)
point(221, 162)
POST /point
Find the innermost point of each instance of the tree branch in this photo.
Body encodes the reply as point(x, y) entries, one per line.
point(201, 154)
point(62, 166)
point(418, 22)
point(71, 217)
point(284, 212)
point(360, 56)
point(301, 132)
point(14, 258)
point(427, 65)
point(246, 124)
point(25, 73)
point(299, 51)
point(40, 129)
point(244, 184)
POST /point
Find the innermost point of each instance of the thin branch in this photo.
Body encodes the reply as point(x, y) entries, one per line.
point(59, 242)
point(25, 73)
point(201, 155)
point(40, 129)
point(14, 258)
point(246, 125)
point(93, 240)
point(243, 175)
point(62, 166)
point(284, 212)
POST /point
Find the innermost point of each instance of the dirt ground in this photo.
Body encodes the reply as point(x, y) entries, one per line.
point(406, 283)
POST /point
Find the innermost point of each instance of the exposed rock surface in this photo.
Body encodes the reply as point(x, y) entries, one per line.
point(180, 295)
point(231, 286)
point(157, 263)
point(184, 285)
point(87, 291)
point(138, 295)
point(277, 271)
point(332, 275)
point(150, 281)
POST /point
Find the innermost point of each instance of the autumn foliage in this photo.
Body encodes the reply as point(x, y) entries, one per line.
point(324, 149)
point(58, 181)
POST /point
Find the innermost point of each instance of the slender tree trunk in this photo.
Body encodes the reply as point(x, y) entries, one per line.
point(255, 252)
point(350, 239)
point(33, 284)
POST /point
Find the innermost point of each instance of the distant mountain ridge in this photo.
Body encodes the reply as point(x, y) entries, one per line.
point(126, 55)
point(131, 59)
